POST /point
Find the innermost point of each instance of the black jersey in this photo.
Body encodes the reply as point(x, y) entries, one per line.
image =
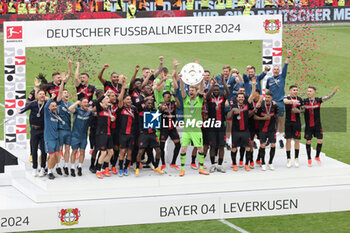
point(140, 121)
point(128, 120)
point(240, 121)
point(114, 112)
point(216, 108)
point(290, 115)
point(312, 112)
point(103, 119)
point(168, 115)
point(108, 85)
point(85, 91)
point(52, 88)
point(267, 110)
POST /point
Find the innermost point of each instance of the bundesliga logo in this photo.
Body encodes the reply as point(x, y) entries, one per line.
point(69, 216)
point(272, 26)
point(14, 32)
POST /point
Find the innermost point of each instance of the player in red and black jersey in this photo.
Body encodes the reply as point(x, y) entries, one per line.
point(313, 125)
point(267, 115)
point(112, 85)
point(147, 139)
point(135, 85)
point(114, 130)
point(84, 89)
point(92, 133)
point(241, 111)
point(216, 112)
point(254, 126)
point(104, 139)
point(168, 110)
point(234, 100)
point(54, 86)
point(128, 126)
point(151, 73)
point(292, 124)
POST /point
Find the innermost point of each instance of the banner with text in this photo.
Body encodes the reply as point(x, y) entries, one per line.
point(152, 30)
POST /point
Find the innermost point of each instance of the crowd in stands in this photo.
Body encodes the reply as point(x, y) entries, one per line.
point(70, 6)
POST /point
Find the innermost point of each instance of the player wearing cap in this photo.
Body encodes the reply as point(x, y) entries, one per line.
point(313, 125)
point(267, 115)
point(292, 123)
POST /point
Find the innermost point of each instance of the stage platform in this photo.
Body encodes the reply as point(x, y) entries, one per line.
point(320, 188)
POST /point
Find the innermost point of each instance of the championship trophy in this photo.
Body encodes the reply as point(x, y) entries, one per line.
point(192, 73)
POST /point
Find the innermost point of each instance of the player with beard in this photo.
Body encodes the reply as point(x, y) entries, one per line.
point(104, 139)
point(193, 104)
point(115, 131)
point(147, 139)
point(81, 117)
point(112, 85)
point(64, 128)
point(135, 85)
point(84, 89)
point(92, 133)
point(154, 74)
point(168, 110)
point(216, 112)
point(254, 127)
point(51, 120)
point(313, 125)
point(36, 121)
point(276, 85)
point(241, 111)
point(292, 123)
point(267, 115)
point(252, 74)
point(128, 126)
point(54, 86)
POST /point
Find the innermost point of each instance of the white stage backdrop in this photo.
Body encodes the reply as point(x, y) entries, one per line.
point(20, 35)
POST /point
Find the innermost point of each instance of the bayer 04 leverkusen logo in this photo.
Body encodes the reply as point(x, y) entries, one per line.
point(272, 26)
point(69, 216)
point(14, 32)
point(151, 120)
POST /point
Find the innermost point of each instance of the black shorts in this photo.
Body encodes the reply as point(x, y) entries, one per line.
point(216, 137)
point(172, 133)
point(205, 133)
point(315, 131)
point(104, 142)
point(148, 140)
point(292, 130)
point(92, 139)
point(263, 136)
point(126, 141)
point(115, 136)
point(240, 139)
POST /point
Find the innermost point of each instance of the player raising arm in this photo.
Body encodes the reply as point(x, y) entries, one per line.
point(313, 125)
